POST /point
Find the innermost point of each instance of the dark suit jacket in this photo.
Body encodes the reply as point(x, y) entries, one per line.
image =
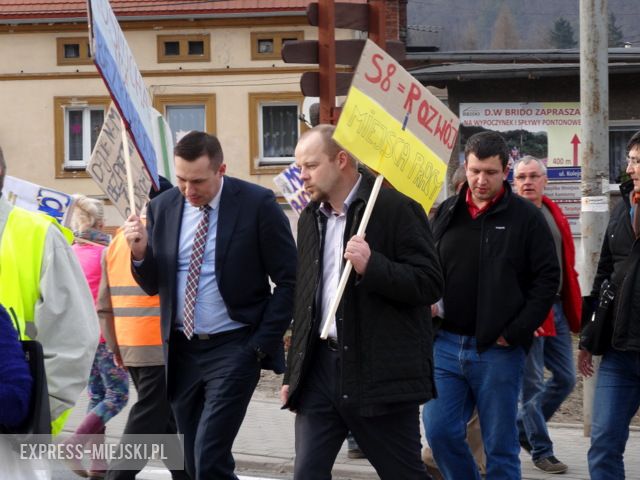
point(254, 243)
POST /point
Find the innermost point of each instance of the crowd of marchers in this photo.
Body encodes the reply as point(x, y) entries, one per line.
point(458, 315)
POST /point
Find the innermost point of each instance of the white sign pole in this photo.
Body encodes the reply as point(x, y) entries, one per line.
point(330, 318)
point(127, 166)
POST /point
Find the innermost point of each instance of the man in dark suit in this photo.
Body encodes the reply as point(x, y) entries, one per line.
point(209, 249)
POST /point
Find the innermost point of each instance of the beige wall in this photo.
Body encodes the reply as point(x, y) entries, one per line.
point(30, 79)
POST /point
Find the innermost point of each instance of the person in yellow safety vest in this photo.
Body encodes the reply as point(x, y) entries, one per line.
point(41, 280)
point(130, 323)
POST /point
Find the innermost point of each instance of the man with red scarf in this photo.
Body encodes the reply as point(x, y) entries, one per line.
point(553, 348)
point(501, 277)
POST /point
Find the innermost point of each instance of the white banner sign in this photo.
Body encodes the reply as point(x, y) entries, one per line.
point(37, 198)
point(291, 187)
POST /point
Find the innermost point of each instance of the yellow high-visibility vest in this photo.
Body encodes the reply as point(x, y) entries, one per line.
point(21, 252)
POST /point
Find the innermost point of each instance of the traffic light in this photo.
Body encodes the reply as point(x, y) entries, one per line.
point(328, 15)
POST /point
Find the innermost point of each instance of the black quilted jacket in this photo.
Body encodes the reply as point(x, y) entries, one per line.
point(384, 321)
point(620, 263)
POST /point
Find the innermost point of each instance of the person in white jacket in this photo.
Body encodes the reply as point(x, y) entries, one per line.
point(54, 307)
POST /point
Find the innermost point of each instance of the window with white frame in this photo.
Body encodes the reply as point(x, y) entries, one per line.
point(186, 112)
point(82, 126)
point(279, 128)
point(77, 125)
point(184, 118)
point(274, 129)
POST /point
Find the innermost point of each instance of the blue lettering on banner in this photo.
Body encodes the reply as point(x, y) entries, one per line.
point(53, 203)
point(292, 174)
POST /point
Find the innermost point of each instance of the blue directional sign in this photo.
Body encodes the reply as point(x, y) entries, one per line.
point(564, 173)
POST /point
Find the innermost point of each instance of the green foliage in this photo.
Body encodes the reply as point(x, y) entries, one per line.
point(528, 143)
point(562, 35)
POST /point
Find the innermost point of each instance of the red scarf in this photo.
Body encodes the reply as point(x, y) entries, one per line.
point(476, 211)
point(635, 220)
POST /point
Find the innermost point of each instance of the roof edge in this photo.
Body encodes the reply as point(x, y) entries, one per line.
point(134, 18)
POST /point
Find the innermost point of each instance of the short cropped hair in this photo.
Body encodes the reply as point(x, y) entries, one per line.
point(526, 160)
point(487, 144)
point(196, 144)
point(634, 142)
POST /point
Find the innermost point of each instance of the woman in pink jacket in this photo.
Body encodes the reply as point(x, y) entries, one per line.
point(108, 385)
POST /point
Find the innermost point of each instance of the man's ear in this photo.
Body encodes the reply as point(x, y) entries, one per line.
point(343, 159)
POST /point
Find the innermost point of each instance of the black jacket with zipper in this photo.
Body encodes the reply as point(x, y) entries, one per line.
point(619, 263)
point(518, 269)
point(384, 320)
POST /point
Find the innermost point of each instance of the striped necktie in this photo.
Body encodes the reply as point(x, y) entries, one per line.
point(193, 275)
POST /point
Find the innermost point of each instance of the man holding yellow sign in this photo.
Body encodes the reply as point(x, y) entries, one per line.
point(374, 369)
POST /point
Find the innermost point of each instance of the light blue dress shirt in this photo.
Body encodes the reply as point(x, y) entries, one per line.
point(211, 315)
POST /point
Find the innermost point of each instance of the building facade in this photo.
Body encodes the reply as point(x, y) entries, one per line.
point(212, 66)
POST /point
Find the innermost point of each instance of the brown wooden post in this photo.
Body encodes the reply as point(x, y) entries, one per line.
point(327, 59)
point(328, 52)
point(377, 24)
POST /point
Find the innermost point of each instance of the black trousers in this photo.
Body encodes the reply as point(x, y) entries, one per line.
point(211, 383)
point(151, 414)
point(391, 442)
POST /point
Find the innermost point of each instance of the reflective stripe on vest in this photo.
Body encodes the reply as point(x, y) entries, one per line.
point(136, 315)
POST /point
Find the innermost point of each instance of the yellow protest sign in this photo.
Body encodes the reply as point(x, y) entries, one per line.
point(395, 126)
point(376, 138)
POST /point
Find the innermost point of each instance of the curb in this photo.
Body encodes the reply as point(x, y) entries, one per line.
point(633, 428)
point(262, 464)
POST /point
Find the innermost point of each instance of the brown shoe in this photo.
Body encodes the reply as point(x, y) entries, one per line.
point(550, 464)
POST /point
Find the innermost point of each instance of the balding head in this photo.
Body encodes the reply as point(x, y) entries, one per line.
point(327, 170)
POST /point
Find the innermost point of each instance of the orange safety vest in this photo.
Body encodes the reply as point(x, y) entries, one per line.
point(136, 314)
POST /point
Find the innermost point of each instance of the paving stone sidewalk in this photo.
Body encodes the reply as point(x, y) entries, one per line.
point(264, 446)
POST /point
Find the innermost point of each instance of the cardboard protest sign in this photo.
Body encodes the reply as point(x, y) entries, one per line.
point(37, 198)
point(115, 62)
point(394, 125)
point(292, 188)
point(107, 166)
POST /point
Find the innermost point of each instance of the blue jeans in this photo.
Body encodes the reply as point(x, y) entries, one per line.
point(616, 401)
point(465, 378)
point(541, 399)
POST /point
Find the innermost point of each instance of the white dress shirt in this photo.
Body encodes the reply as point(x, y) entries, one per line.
point(333, 257)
